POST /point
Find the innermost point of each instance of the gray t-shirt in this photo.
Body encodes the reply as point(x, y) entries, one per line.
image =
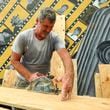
point(36, 54)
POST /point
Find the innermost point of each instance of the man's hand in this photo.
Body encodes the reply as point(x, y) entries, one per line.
point(67, 86)
point(68, 77)
point(35, 76)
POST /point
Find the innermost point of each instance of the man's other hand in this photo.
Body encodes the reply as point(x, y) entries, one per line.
point(67, 86)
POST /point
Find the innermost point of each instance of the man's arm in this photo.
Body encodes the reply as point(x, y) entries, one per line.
point(15, 61)
point(68, 77)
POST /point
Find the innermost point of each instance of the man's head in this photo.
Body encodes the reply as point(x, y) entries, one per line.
point(45, 22)
point(47, 13)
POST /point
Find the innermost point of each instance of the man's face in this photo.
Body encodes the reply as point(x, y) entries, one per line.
point(44, 28)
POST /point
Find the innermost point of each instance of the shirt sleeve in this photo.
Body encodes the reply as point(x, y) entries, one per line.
point(59, 43)
point(18, 45)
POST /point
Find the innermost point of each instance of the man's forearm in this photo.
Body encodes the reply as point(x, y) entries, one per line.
point(68, 77)
point(68, 66)
point(21, 69)
point(67, 61)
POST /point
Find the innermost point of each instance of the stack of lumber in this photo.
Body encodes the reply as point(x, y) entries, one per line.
point(102, 81)
point(37, 101)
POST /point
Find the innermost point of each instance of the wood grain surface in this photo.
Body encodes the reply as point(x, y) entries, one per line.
point(37, 101)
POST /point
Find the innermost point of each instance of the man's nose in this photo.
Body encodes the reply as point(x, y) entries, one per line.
point(48, 29)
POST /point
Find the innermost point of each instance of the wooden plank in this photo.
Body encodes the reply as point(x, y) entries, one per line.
point(75, 77)
point(36, 101)
point(1, 108)
point(9, 78)
point(98, 89)
point(104, 70)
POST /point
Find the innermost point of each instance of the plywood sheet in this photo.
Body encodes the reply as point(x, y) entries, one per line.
point(57, 67)
point(36, 101)
point(104, 70)
point(9, 78)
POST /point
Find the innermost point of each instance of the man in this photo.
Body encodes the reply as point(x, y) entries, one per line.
point(33, 48)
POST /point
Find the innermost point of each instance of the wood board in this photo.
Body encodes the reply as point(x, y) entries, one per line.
point(75, 77)
point(104, 70)
point(1, 108)
point(98, 90)
point(57, 67)
point(36, 101)
point(9, 78)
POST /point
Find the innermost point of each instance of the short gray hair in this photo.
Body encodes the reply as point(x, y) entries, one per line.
point(48, 13)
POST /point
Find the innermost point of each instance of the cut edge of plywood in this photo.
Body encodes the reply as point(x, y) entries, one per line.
point(75, 77)
point(98, 90)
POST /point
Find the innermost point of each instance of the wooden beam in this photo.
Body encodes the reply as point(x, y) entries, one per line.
point(36, 101)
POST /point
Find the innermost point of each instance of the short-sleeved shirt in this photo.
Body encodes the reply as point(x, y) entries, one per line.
point(36, 54)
